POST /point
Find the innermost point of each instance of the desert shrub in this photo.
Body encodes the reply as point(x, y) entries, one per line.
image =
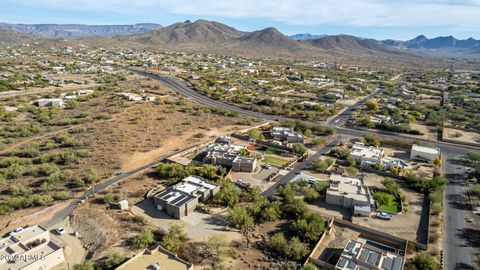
point(143, 240)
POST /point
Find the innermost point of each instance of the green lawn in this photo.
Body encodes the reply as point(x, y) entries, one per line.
point(390, 206)
point(274, 161)
point(269, 150)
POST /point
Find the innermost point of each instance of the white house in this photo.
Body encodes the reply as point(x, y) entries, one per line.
point(347, 192)
point(50, 102)
point(367, 154)
point(424, 153)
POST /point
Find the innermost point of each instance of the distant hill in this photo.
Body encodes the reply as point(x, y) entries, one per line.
point(306, 36)
point(443, 44)
point(270, 38)
point(10, 36)
point(351, 44)
point(200, 31)
point(71, 31)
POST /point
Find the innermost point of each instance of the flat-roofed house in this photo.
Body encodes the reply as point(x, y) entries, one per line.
point(286, 134)
point(228, 155)
point(181, 200)
point(30, 249)
point(424, 153)
point(360, 254)
point(155, 259)
point(347, 192)
point(367, 154)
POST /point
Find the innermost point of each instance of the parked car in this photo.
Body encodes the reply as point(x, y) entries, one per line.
point(267, 166)
point(385, 216)
point(60, 230)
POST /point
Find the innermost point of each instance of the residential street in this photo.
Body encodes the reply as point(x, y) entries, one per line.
point(457, 253)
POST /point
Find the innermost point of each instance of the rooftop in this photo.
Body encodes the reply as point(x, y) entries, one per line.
point(350, 187)
point(425, 149)
point(359, 149)
point(158, 257)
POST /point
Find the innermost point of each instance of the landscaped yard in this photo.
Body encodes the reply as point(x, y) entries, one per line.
point(274, 161)
point(386, 202)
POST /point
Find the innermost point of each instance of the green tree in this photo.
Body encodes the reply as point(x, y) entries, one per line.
point(113, 260)
point(229, 193)
point(310, 227)
point(425, 261)
point(309, 266)
point(351, 171)
point(239, 218)
point(318, 141)
point(383, 198)
point(173, 239)
point(278, 242)
point(92, 177)
point(437, 162)
point(310, 194)
point(85, 265)
point(208, 171)
point(143, 240)
point(108, 198)
point(296, 249)
point(71, 104)
point(299, 149)
point(371, 105)
point(255, 134)
point(350, 161)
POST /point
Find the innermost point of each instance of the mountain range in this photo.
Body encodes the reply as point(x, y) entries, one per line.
point(214, 37)
point(209, 36)
point(417, 44)
point(71, 31)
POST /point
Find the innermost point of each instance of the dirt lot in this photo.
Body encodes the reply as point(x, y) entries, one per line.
point(405, 225)
point(461, 136)
point(429, 133)
point(125, 144)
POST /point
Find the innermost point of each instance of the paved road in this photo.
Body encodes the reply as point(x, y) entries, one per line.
point(345, 115)
point(457, 253)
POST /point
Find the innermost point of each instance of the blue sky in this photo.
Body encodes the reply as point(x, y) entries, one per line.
point(399, 19)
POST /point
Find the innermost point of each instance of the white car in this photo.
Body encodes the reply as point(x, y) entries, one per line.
point(60, 230)
point(17, 230)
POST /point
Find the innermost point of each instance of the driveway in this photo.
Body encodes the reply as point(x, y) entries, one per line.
point(198, 226)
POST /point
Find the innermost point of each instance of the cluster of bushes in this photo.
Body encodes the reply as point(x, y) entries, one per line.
point(322, 165)
point(308, 128)
point(399, 128)
point(306, 226)
point(293, 249)
point(426, 185)
point(14, 131)
point(177, 171)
